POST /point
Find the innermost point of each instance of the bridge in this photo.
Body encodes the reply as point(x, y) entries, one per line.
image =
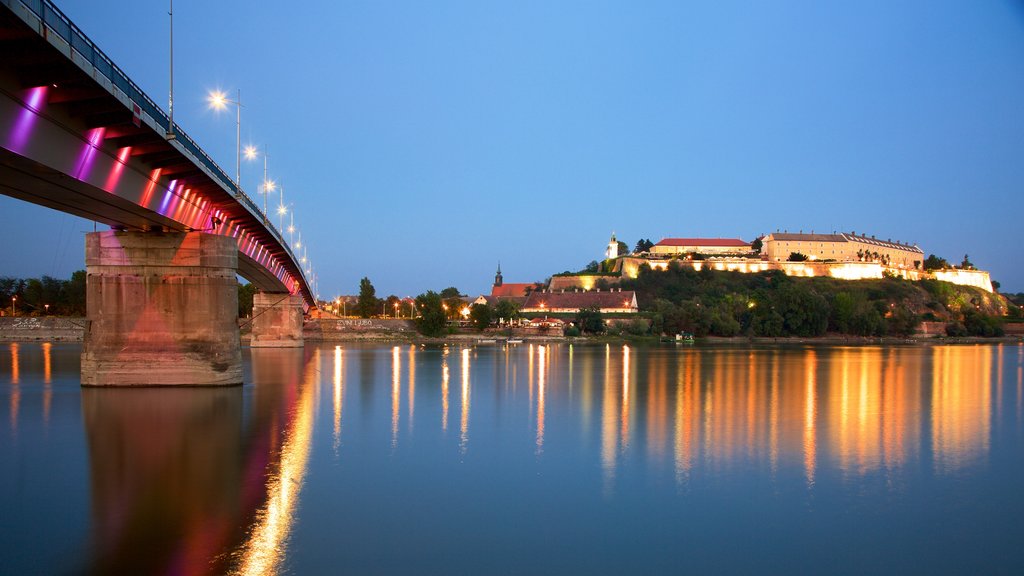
point(77, 135)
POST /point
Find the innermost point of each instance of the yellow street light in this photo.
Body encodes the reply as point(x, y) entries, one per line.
point(219, 101)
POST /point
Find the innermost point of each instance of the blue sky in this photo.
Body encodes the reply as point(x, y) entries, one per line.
point(423, 142)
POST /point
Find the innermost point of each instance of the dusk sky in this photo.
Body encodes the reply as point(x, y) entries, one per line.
point(422, 142)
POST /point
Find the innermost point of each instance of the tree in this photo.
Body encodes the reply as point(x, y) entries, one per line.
point(590, 320)
point(506, 310)
point(366, 305)
point(453, 306)
point(592, 268)
point(245, 295)
point(431, 321)
point(73, 298)
point(450, 292)
point(797, 257)
point(643, 245)
point(623, 248)
point(391, 305)
point(481, 315)
point(933, 262)
point(966, 264)
point(757, 244)
point(903, 322)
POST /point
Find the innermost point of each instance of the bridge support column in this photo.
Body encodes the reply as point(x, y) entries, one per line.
point(276, 320)
point(162, 309)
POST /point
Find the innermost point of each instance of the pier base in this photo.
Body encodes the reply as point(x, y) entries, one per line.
point(162, 310)
point(276, 320)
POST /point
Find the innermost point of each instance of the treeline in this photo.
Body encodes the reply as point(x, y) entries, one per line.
point(771, 304)
point(41, 296)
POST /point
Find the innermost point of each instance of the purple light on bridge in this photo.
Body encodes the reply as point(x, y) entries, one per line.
point(21, 130)
point(87, 157)
point(168, 195)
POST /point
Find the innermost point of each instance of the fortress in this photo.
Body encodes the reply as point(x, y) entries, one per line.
point(838, 255)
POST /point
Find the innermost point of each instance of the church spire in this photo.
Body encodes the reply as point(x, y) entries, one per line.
point(497, 277)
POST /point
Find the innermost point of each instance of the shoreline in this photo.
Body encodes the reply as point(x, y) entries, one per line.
point(59, 329)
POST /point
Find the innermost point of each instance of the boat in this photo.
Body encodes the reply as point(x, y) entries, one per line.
point(685, 338)
point(487, 341)
point(514, 341)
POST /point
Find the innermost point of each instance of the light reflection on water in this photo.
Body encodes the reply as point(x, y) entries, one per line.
point(253, 480)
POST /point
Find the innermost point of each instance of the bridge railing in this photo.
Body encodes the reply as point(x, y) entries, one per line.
point(55, 20)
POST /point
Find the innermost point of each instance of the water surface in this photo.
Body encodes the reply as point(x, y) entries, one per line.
point(367, 459)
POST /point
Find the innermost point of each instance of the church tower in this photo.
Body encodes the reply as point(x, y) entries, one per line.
point(497, 277)
point(613, 248)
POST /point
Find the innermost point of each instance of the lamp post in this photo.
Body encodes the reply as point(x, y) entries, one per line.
point(14, 301)
point(268, 185)
point(281, 211)
point(219, 101)
point(291, 225)
point(396, 309)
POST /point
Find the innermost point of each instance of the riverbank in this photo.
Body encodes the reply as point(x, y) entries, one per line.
point(56, 329)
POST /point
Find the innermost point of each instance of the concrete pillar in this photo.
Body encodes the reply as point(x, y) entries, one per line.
point(162, 310)
point(276, 320)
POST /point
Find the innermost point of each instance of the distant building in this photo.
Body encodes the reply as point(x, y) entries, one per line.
point(610, 301)
point(708, 246)
point(842, 247)
point(515, 292)
point(612, 251)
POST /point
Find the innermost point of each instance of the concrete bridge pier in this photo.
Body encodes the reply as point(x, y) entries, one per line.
point(162, 310)
point(276, 320)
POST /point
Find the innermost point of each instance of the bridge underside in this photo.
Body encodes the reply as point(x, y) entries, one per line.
point(37, 183)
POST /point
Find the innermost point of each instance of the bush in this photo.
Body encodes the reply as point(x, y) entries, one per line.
point(637, 327)
point(956, 329)
point(571, 330)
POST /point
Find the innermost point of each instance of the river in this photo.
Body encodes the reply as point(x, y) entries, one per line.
point(526, 459)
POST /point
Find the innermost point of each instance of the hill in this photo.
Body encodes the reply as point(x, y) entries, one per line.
point(720, 303)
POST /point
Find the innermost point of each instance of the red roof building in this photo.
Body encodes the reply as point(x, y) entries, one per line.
point(711, 246)
point(611, 301)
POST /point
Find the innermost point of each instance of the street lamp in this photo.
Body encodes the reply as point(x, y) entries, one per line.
point(219, 101)
point(14, 301)
point(281, 211)
point(47, 308)
point(268, 185)
point(396, 309)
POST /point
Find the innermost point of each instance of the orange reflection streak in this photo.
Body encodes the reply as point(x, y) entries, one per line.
point(412, 382)
point(625, 398)
point(609, 426)
point(901, 407)
point(396, 397)
point(15, 368)
point(47, 381)
point(15, 390)
point(773, 422)
point(961, 405)
point(529, 374)
point(999, 380)
point(810, 414)
point(47, 372)
point(464, 424)
point(686, 424)
point(444, 389)
point(541, 381)
point(657, 406)
point(265, 549)
point(338, 394)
